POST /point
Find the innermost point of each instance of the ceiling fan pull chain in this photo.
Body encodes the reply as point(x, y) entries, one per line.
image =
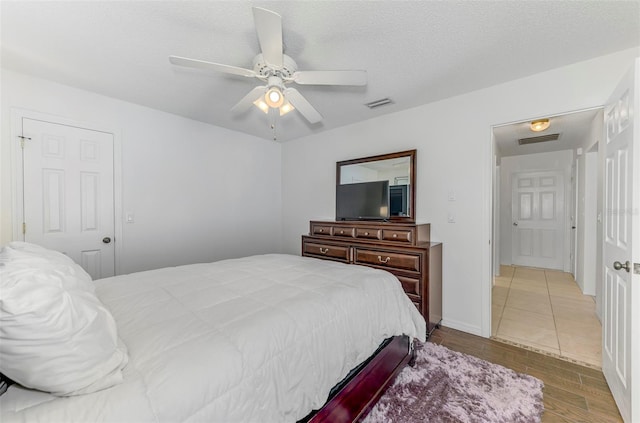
point(272, 121)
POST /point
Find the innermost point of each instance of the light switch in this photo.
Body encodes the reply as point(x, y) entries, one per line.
point(130, 218)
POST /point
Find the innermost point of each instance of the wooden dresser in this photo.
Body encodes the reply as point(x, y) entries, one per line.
point(403, 249)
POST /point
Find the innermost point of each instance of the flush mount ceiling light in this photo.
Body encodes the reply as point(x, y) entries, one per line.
point(539, 125)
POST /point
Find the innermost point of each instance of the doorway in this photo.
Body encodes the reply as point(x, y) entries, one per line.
point(537, 302)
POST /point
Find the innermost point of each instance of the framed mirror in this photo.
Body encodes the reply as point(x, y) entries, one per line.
point(396, 168)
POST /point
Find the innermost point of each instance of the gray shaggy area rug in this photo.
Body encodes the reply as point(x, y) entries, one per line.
point(448, 386)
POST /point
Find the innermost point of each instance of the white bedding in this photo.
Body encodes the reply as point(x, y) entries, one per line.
point(257, 339)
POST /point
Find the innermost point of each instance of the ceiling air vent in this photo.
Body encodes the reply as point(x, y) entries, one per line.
point(378, 103)
point(541, 138)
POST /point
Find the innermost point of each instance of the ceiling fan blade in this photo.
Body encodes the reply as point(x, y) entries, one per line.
point(348, 77)
point(201, 64)
point(302, 105)
point(269, 29)
point(247, 100)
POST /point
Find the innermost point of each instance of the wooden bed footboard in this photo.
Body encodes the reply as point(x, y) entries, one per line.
point(364, 389)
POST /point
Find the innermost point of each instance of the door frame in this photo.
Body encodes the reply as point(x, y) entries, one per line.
point(17, 200)
point(491, 215)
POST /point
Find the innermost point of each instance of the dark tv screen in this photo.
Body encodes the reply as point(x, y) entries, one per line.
point(363, 201)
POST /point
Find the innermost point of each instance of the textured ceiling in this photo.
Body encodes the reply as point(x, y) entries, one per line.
point(415, 52)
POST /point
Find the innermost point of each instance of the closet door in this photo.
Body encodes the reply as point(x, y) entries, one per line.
point(68, 192)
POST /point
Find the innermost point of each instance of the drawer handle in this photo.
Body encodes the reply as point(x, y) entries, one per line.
point(366, 233)
point(321, 230)
point(341, 232)
point(385, 260)
point(324, 250)
point(395, 235)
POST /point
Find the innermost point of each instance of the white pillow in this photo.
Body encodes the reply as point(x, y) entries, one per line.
point(55, 334)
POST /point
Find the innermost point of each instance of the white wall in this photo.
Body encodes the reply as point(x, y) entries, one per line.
point(453, 139)
point(198, 192)
point(558, 160)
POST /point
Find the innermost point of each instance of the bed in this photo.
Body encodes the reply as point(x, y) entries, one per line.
point(262, 338)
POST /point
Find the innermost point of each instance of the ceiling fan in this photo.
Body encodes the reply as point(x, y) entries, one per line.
point(278, 71)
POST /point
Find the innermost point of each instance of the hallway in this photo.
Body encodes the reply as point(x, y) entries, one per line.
point(545, 310)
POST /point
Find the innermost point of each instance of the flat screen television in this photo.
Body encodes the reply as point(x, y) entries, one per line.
point(398, 201)
point(363, 201)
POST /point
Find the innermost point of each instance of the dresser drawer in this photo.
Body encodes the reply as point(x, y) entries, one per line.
point(411, 286)
point(368, 233)
point(343, 231)
point(320, 230)
point(399, 235)
point(329, 251)
point(391, 260)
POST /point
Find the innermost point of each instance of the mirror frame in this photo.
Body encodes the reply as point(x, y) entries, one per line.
point(412, 178)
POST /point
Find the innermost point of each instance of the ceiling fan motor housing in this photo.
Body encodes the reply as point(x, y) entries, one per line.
point(265, 70)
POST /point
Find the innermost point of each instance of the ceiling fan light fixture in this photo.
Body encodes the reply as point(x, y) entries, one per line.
point(274, 97)
point(284, 109)
point(260, 104)
point(539, 125)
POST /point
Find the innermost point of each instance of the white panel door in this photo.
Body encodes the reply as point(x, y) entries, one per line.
point(538, 219)
point(621, 296)
point(68, 193)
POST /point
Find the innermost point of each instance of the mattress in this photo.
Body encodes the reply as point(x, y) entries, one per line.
point(255, 339)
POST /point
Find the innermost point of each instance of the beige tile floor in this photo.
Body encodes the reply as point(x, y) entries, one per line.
point(544, 309)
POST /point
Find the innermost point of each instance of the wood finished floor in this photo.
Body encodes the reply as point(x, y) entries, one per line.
point(572, 393)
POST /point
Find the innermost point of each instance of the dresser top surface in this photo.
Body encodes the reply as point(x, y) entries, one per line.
point(377, 223)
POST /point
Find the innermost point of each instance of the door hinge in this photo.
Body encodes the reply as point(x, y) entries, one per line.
point(24, 228)
point(22, 138)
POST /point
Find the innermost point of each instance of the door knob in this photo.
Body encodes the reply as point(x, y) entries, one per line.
point(626, 266)
point(106, 240)
point(515, 223)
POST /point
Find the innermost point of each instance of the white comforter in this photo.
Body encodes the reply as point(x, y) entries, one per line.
point(257, 339)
